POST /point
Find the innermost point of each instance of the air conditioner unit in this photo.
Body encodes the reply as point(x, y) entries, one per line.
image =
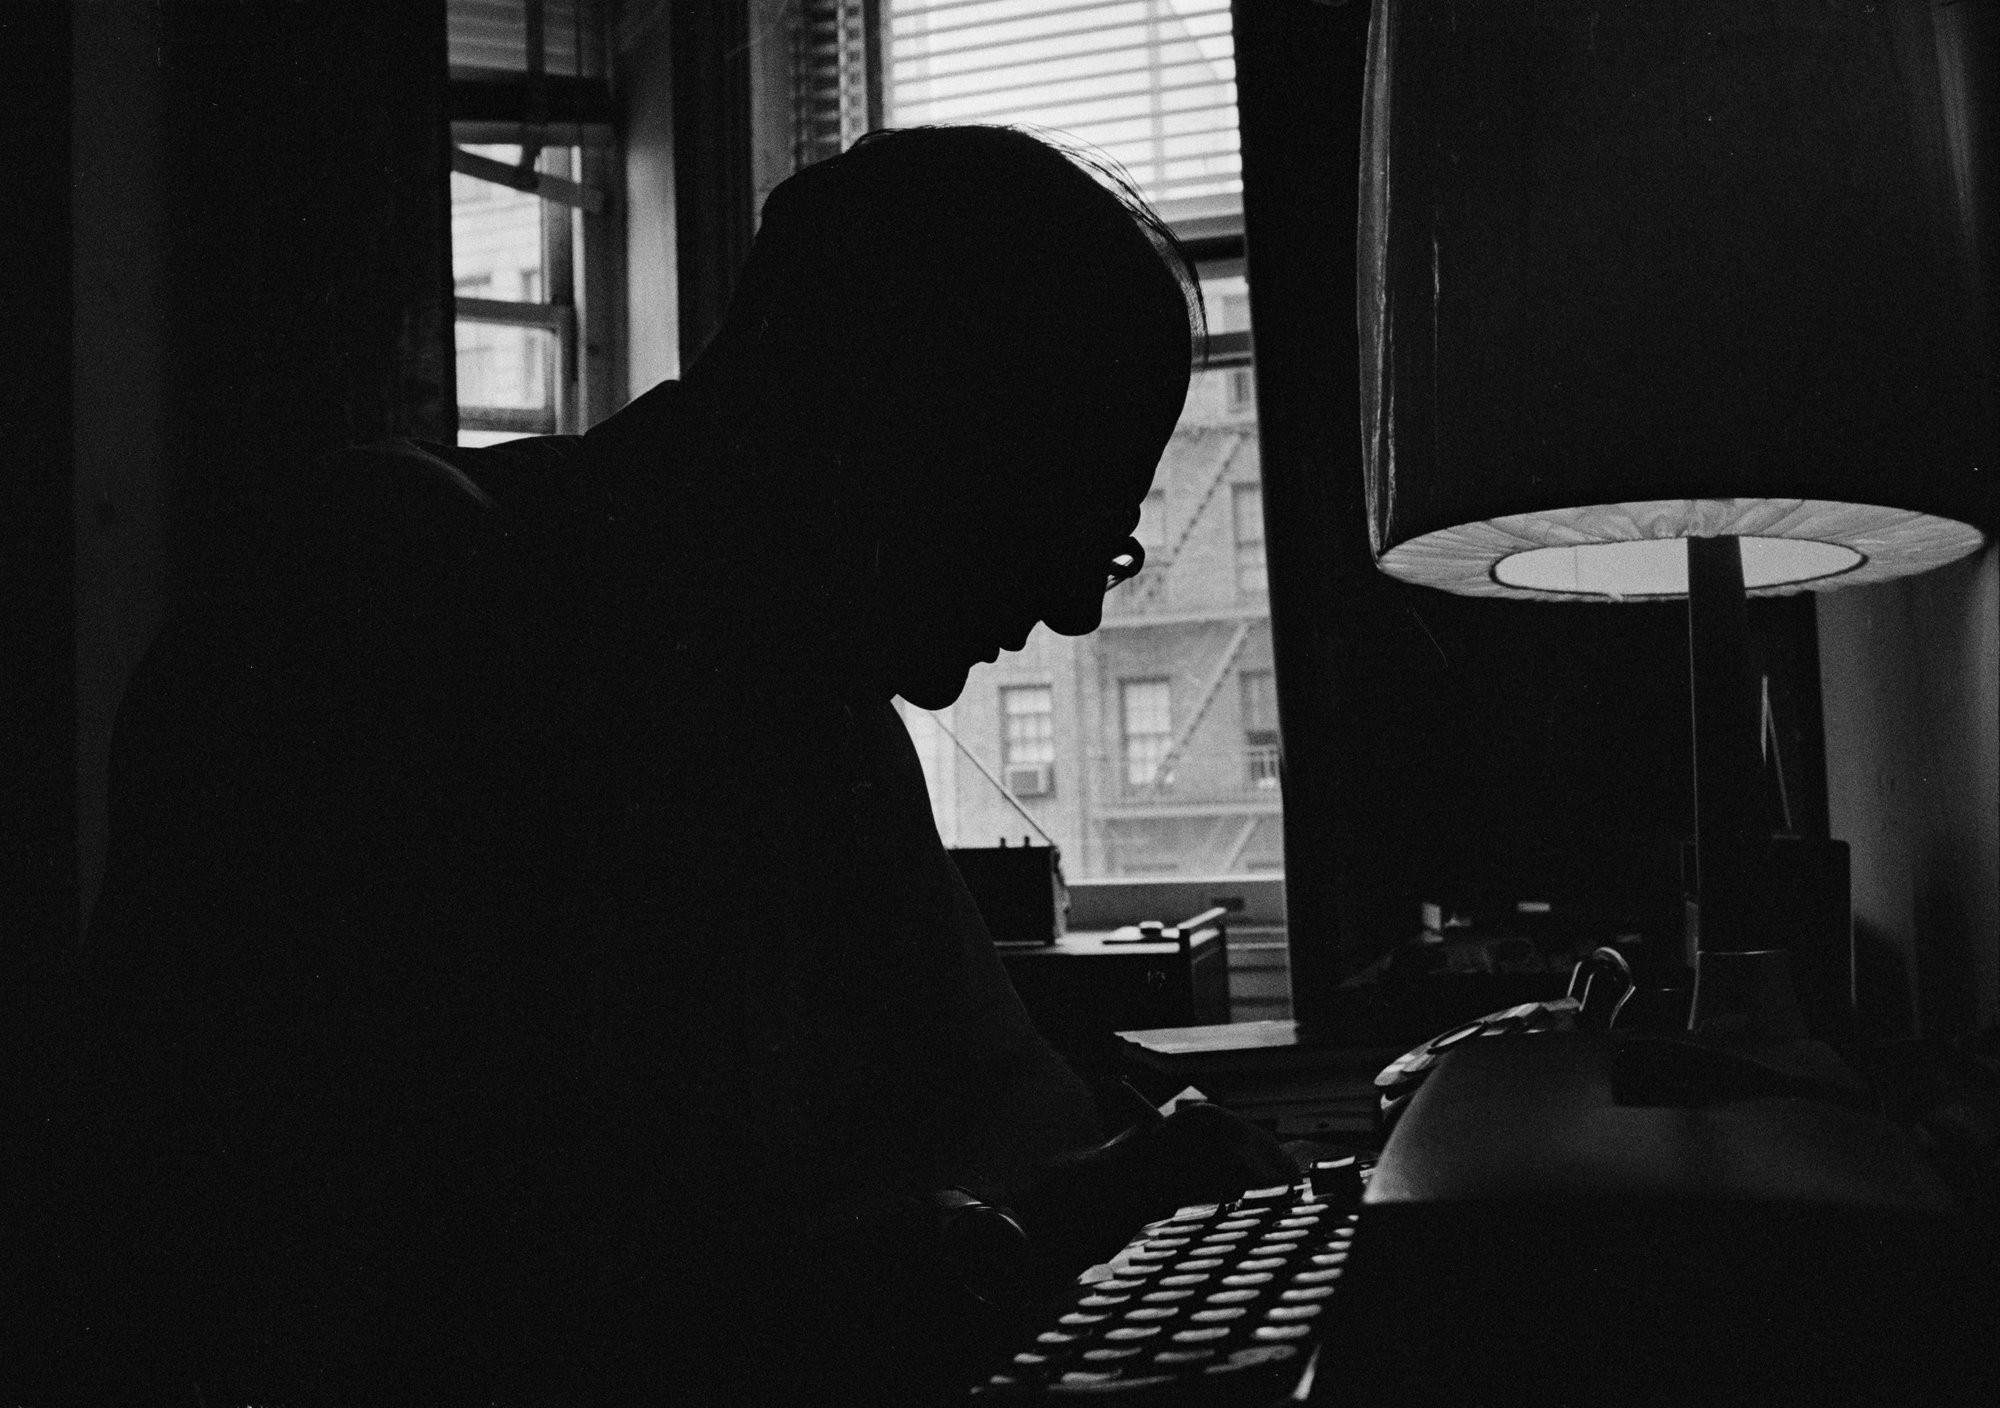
point(1031, 779)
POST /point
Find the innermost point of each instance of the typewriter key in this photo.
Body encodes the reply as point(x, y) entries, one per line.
point(1253, 1356)
point(1293, 1312)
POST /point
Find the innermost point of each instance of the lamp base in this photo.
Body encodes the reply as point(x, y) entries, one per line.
point(1787, 896)
point(1745, 994)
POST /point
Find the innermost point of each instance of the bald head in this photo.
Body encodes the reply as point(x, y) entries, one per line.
point(974, 350)
point(967, 286)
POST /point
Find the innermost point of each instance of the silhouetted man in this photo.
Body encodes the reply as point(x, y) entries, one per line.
point(528, 969)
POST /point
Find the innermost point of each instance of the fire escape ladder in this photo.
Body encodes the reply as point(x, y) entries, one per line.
point(1210, 689)
point(1157, 580)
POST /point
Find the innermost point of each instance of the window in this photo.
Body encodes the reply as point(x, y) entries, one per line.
point(1247, 504)
point(1147, 706)
point(531, 243)
point(1160, 786)
point(1260, 728)
point(1027, 712)
point(1242, 390)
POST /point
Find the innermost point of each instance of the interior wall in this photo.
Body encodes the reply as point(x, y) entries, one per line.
point(38, 902)
point(1910, 677)
point(118, 359)
point(261, 273)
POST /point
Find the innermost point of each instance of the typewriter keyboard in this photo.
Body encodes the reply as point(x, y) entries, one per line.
point(1218, 1304)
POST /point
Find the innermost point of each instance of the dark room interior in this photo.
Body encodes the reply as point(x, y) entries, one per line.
point(236, 253)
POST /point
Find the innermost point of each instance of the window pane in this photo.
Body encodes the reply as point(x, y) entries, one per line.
point(1030, 725)
point(1149, 732)
point(1247, 502)
point(505, 368)
point(1260, 700)
point(1225, 300)
point(496, 234)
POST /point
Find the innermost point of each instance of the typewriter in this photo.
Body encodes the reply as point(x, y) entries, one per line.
point(1551, 1221)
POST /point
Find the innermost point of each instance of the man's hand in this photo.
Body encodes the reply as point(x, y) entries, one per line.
point(1087, 1204)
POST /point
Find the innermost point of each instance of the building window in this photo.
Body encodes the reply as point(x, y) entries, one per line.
point(1241, 390)
point(1028, 725)
point(1247, 500)
point(1260, 728)
point(1147, 709)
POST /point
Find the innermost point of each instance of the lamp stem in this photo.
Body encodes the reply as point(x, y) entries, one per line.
point(1725, 735)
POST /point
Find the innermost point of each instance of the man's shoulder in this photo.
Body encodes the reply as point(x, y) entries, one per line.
point(421, 495)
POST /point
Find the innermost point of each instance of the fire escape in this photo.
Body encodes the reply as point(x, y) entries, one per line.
point(1193, 781)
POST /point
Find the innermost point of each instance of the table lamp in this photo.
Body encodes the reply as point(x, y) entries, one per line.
point(1674, 299)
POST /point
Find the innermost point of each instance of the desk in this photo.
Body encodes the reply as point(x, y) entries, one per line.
point(1083, 987)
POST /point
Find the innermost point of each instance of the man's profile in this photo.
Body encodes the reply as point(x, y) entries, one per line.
point(527, 969)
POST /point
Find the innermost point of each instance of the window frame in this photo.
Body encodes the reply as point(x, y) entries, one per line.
point(563, 124)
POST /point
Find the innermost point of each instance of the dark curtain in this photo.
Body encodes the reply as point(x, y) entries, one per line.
point(712, 187)
point(307, 250)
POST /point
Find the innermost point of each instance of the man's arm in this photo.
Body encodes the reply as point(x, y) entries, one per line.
point(1024, 1131)
point(1026, 1107)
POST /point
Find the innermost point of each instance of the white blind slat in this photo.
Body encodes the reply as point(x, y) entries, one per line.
point(1150, 83)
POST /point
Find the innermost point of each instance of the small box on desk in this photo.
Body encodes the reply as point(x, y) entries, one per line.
point(1085, 987)
point(1019, 891)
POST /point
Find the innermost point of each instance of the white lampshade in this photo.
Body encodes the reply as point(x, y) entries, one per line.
point(1637, 273)
point(1638, 551)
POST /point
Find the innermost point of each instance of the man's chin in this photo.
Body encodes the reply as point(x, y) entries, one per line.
point(934, 688)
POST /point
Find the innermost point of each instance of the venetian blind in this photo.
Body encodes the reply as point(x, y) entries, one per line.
point(830, 97)
point(495, 34)
point(1151, 83)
